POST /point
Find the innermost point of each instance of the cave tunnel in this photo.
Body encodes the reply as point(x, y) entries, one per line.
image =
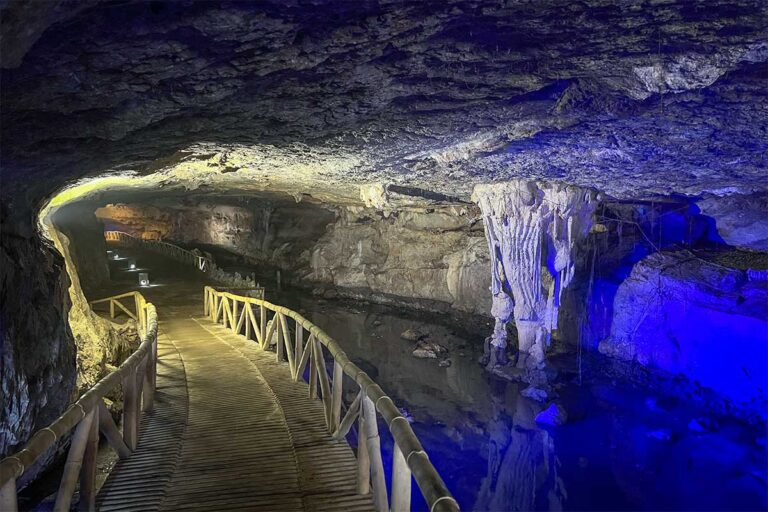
point(438, 255)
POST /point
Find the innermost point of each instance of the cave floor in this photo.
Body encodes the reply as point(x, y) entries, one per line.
point(230, 429)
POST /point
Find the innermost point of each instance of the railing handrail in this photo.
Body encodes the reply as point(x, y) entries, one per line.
point(89, 414)
point(202, 263)
point(411, 453)
point(115, 297)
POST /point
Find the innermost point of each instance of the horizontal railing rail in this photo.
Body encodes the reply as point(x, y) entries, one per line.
point(88, 416)
point(303, 350)
point(202, 263)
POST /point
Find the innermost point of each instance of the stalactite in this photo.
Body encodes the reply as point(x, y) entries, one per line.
point(532, 230)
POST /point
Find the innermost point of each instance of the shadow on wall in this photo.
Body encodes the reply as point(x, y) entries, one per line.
point(668, 293)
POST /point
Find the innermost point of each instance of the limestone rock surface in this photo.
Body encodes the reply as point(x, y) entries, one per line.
point(682, 315)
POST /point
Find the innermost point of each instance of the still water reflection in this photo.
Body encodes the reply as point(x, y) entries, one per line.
point(622, 448)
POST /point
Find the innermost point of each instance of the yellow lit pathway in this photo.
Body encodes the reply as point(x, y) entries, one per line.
point(230, 430)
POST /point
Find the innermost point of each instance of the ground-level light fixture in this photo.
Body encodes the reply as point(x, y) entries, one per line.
point(144, 279)
point(117, 256)
point(132, 265)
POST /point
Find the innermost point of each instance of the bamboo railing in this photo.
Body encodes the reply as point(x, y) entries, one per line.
point(266, 323)
point(202, 263)
point(87, 417)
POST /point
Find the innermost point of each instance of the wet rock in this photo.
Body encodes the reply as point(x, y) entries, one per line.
point(422, 353)
point(331, 293)
point(445, 363)
point(429, 350)
point(554, 416)
point(509, 372)
point(701, 425)
point(412, 335)
point(660, 434)
point(652, 404)
point(535, 393)
point(690, 343)
point(376, 323)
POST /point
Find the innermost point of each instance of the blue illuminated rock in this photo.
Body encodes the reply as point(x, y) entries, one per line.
point(684, 315)
point(554, 416)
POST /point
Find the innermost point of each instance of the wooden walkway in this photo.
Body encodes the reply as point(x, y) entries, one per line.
point(230, 430)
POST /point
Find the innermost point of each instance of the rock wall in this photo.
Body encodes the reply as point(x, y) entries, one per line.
point(87, 247)
point(435, 254)
point(135, 219)
point(435, 257)
point(101, 345)
point(740, 219)
point(682, 315)
point(37, 363)
point(264, 232)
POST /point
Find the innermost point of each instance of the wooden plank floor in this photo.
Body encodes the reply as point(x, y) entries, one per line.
point(230, 431)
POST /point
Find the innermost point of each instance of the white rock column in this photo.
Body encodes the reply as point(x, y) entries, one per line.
point(532, 230)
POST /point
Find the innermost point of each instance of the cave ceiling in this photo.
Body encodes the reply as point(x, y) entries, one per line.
point(635, 98)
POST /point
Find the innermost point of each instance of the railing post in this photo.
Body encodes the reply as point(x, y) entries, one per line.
point(263, 326)
point(88, 469)
point(279, 334)
point(112, 309)
point(234, 320)
point(141, 314)
point(141, 371)
point(401, 482)
point(287, 344)
point(247, 312)
point(338, 385)
point(363, 459)
point(312, 367)
point(73, 464)
point(8, 496)
point(299, 350)
point(325, 387)
point(130, 409)
point(150, 376)
point(137, 305)
point(378, 479)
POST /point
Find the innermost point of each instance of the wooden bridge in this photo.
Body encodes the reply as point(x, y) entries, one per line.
point(233, 404)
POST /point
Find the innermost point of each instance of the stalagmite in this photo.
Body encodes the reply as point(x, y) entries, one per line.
point(532, 230)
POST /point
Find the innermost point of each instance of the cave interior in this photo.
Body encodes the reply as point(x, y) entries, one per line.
point(541, 227)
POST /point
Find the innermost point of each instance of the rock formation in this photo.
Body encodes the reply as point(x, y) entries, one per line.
point(533, 229)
